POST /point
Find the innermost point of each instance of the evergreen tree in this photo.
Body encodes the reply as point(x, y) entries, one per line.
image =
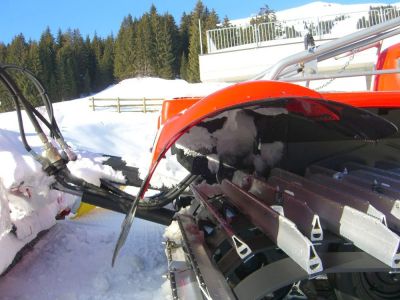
point(165, 53)
point(184, 35)
point(33, 61)
point(226, 23)
point(18, 54)
point(208, 21)
point(34, 65)
point(47, 57)
point(3, 52)
point(264, 15)
point(125, 56)
point(67, 68)
point(6, 103)
point(173, 32)
point(145, 44)
point(271, 29)
point(154, 40)
point(183, 67)
point(80, 63)
point(193, 74)
point(96, 47)
point(18, 51)
point(93, 61)
point(106, 63)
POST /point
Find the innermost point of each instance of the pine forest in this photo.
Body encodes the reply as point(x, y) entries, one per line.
point(71, 66)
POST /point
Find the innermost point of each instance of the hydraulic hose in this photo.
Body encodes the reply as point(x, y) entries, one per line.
point(53, 158)
point(107, 196)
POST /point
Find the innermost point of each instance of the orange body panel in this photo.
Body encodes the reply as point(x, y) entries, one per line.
point(365, 99)
point(179, 117)
point(215, 103)
point(388, 59)
point(173, 107)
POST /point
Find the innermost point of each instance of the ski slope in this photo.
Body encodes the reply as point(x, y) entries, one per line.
point(316, 9)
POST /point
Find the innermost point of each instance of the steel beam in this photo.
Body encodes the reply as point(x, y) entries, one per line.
point(365, 231)
point(242, 249)
point(296, 211)
point(326, 191)
point(387, 203)
point(388, 206)
point(279, 229)
point(210, 280)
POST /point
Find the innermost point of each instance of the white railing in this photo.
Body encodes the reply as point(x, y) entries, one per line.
point(322, 27)
point(126, 104)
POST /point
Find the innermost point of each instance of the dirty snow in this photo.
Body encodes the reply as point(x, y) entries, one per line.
point(233, 141)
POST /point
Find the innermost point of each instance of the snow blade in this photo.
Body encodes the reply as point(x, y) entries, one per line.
point(127, 223)
point(126, 227)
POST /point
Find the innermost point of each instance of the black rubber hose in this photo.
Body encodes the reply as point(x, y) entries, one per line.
point(39, 86)
point(52, 125)
point(21, 127)
point(21, 98)
point(99, 197)
point(19, 115)
point(157, 201)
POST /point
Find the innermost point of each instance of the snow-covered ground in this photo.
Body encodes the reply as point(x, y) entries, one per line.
point(317, 9)
point(73, 260)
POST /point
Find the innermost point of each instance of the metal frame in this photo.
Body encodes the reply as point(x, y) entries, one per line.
point(286, 69)
point(247, 36)
point(242, 249)
point(279, 229)
point(211, 282)
point(285, 271)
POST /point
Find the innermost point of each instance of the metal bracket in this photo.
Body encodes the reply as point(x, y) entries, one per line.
point(242, 249)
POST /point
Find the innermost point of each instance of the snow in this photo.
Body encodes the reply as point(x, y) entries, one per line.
point(145, 87)
point(74, 257)
point(317, 9)
point(173, 233)
point(73, 260)
point(233, 141)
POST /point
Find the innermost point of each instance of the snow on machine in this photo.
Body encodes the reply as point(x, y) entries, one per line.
point(291, 193)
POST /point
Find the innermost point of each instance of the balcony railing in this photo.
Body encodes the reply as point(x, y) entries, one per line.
point(323, 27)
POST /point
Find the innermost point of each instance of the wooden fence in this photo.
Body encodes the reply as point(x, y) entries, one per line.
point(127, 104)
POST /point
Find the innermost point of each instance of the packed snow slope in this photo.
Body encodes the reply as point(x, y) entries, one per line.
point(318, 8)
point(73, 260)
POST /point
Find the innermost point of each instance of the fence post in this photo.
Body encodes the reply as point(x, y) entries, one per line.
point(93, 107)
point(118, 105)
point(144, 105)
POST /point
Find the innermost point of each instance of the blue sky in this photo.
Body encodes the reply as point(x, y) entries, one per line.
point(31, 17)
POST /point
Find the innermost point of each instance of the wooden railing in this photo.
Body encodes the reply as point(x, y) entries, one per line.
point(127, 104)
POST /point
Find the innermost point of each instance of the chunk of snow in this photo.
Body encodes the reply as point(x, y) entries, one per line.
point(91, 170)
point(236, 137)
point(5, 220)
point(173, 233)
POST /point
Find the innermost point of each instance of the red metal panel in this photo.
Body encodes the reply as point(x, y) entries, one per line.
point(365, 99)
point(235, 95)
point(177, 122)
point(388, 59)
